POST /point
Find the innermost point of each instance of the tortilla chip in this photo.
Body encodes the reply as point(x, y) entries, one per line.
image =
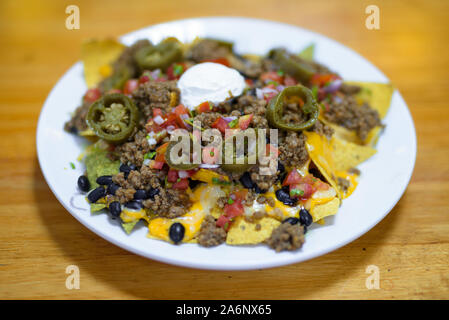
point(348, 155)
point(98, 164)
point(243, 232)
point(378, 95)
point(321, 152)
point(308, 52)
point(95, 207)
point(129, 226)
point(97, 55)
point(320, 211)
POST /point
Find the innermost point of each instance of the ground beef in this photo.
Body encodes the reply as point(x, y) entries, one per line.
point(208, 49)
point(286, 237)
point(134, 151)
point(343, 184)
point(169, 203)
point(210, 235)
point(349, 89)
point(78, 121)
point(145, 178)
point(207, 119)
point(347, 113)
point(292, 149)
point(251, 105)
point(322, 129)
point(164, 95)
point(263, 181)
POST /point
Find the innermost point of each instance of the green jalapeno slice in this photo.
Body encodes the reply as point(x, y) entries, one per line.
point(248, 159)
point(160, 56)
point(275, 108)
point(113, 117)
point(177, 166)
point(295, 66)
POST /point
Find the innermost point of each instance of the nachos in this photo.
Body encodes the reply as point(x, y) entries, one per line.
point(314, 126)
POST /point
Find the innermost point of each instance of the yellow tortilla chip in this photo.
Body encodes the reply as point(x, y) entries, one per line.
point(243, 232)
point(97, 55)
point(378, 96)
point(320, 211)
point(348, 155)
point(321, 152)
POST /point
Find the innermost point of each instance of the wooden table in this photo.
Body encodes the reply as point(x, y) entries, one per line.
point(39, 238)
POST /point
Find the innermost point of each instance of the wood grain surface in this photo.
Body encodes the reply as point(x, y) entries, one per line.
point(39, 238)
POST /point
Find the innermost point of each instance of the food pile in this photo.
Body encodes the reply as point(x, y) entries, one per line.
point(140, 95)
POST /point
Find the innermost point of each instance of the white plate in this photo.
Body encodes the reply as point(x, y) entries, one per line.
point(384, 177)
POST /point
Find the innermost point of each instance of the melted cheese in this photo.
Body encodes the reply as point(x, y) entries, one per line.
point(204, 199)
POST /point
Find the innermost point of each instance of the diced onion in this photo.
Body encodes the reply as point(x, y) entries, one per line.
point(209, 166)
point(159, 120)
point(183, 174)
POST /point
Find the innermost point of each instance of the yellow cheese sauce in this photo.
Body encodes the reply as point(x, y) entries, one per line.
point(204, 199)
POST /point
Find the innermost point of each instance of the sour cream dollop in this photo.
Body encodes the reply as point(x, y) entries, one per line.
point(209, 81)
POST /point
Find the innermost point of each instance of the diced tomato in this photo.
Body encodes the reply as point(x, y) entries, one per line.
point(114, 91)
point(92, 95)
point(271, 76)
point(171, 120)
point(245, 120)
point(156, 164)
point(272, 150)
point(181, 184)
point(240, 194)
point(157, 112)
point(249, 82)
point(172, 175)
point(130, 86)
point(175, 71)
point(204, 107)
point(289, 81)
point(181, 113)
point(222, 61)
point(306, 190)
point(233, 210)
point(220, 124)
point(160, 157)
point(143, 79)
point(292, 178)
point(222, 221)
point(322, 79)
point(210, 155)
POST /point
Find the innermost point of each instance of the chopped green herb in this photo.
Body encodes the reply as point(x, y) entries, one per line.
point(178, 69)
point(296, 192)
point(72, 165)
point(212, 153)
point(280, 73)
point(226, 225)
point(230, 201)
point(216, 180)
point(149, 155)
point(233, 123)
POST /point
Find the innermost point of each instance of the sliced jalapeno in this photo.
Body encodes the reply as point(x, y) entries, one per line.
point(293, 65)
point(160, 56)
point(246, 160)
point(177, 166)
point(117, 80)
point(275, 108)
point(113, 117)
